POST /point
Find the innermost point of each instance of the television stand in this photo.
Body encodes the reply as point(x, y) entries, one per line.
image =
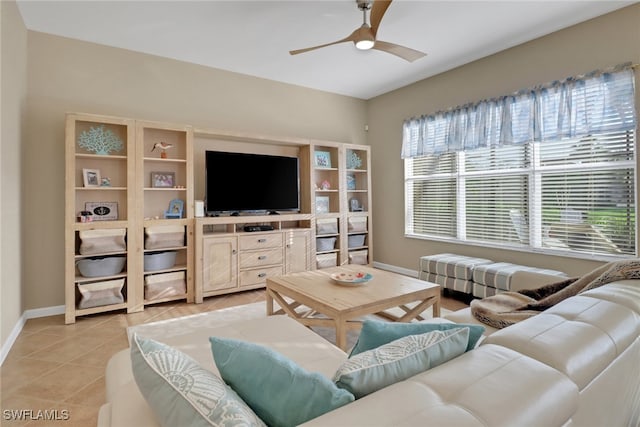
point(246, 250)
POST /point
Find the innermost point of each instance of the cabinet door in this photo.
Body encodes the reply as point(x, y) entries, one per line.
point(219, 263)
point(297, 251)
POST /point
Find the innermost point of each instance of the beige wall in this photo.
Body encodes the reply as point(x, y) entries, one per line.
point(599, 43)
point(69, 75)
point(13, 70)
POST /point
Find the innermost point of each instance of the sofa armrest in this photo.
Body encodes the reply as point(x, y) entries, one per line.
point(464, 316)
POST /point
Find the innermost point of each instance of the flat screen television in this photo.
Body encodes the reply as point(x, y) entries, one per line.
point(241, 182)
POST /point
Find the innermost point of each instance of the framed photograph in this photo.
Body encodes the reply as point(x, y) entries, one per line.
point(322, 204)
point(322, 159)
point(163, 179)
point(102, 211)
point(91, 177)
point(176, 207)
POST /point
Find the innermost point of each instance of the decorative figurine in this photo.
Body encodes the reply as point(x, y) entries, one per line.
point(162, 146)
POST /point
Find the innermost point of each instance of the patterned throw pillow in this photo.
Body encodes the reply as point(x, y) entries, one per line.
point(398, 360)
point(181, 392)
point(281, 392)
point(375, 333)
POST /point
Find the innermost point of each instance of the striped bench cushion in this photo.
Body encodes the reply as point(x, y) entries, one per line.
point(452, 283)
point(451, 265)
point(498, 275)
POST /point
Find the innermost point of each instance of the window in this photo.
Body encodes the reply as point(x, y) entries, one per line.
point(569, 195)
point(500, 172)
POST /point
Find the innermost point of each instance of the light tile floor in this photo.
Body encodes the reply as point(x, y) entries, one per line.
point(59, 368)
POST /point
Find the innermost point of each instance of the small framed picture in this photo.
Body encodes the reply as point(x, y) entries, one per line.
point(91, 177)
point(323, 159)
point(102, 211)
point(322, 204)
point(176, 207)
point(163, 179)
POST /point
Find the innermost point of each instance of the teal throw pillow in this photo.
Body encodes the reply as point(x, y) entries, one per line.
point(181, 392)
point(375, 333)
point(278, 390)
point(398, 360)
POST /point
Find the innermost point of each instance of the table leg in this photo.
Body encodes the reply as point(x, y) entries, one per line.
point(269, 300)
point(341, 334)
point(436, 307)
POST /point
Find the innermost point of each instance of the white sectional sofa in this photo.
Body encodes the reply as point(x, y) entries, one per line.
point(576, 364)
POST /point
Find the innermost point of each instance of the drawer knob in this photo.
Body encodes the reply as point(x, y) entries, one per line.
point(261, 257)
point(262, 240)
point(262, 274)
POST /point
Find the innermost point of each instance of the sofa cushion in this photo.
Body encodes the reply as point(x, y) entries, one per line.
point(489, 386)
point(398, 360)
point(375, 333)
point(181, 392)
point(464, 317)
point(579, 336)
point(281, 392)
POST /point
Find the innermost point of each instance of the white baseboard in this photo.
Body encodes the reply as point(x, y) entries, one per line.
point(59, 309)
point(13, 336)
point(44, 312)
point(28, 314)
point(395, 269)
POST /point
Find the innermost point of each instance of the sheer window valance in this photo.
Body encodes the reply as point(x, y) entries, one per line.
point(601, 101)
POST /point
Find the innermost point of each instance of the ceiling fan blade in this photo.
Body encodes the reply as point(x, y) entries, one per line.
point(377, 12)
point(397, 50)
point(351, 37)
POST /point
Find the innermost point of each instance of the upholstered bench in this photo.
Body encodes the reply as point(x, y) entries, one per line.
point(489, 279)
point(450, 271)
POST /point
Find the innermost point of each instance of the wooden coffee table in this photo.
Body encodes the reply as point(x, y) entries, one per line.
point(304, 295)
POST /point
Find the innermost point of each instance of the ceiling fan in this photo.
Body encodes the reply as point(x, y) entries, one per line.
point(365, 37)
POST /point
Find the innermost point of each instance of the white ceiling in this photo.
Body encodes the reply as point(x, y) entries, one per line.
point(254, 37)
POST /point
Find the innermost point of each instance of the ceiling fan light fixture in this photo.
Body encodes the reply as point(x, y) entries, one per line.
point(364, 38)
point(364, 44)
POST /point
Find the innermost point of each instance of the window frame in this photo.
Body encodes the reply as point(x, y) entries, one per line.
point(534, 172)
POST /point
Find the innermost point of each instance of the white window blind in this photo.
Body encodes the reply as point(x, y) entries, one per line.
point(431, 196)
point(570, 195)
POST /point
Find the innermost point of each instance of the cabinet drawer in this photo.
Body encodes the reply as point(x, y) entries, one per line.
point(257, 241)
point(259, 275)
point(254, 259)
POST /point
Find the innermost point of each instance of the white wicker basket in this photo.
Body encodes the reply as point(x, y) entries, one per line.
point(324, 244)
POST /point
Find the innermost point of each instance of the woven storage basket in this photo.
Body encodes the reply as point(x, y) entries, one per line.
point(357, 223)
point(326, 260)
point(105, 266)
point(101, 293)
point(324, 244)
point(359, 257)
point(102, 241)
point(327, 226)
point(164, 236)
point(356, 240)
point(154, 261)
point(164, 285)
